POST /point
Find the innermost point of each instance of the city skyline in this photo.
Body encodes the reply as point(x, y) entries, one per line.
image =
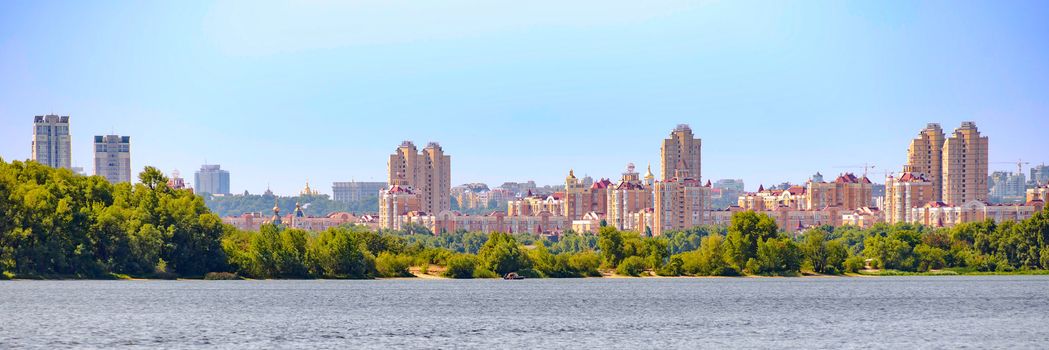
point(774, 100)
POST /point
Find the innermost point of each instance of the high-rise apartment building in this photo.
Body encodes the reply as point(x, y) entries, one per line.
point(680, 154)
point(427, 173)
point(1039, 175)
point(355, 191)
point(925, 157)
point(680, 200)
point(965, 165)
point(211, 179)
point(51, 141)
point(113, 158)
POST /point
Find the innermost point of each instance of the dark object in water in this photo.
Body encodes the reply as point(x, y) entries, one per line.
point(513, 276)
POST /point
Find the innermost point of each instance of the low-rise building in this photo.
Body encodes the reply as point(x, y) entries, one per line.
point(939, 214)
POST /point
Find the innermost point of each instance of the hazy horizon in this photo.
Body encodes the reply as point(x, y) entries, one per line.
point(278, 93)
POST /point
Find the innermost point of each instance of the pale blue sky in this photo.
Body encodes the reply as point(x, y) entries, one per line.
point(280, 92)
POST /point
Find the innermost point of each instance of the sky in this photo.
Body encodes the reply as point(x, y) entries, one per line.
point(279, 93)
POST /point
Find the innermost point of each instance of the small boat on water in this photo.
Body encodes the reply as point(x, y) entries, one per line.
point(513, 276)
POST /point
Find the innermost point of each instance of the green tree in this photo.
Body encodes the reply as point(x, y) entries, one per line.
point(501, 254)
point(610, 241)
point(745, 230)
point(888, 253)
point(778, 256)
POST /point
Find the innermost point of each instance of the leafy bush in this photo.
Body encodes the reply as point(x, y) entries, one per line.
point(586, 263)
point(854, 264)
point(393, 265)
point(631, 266)
point(461, 266)
point(485, 273)
point(218, 276)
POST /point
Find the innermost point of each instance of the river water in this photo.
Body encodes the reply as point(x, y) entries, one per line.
point(885, 312)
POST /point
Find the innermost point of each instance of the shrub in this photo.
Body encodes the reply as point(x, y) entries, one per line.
point(854, 264)
point(586, 263)
point(631, 266)
point(672, 267)
point(219, 276)
point(484, 273)
point(461, 266)
point(392, 265)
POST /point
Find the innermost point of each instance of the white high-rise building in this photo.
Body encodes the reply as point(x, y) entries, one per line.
point(113, 158)
point(211, 179)
point(51, 141)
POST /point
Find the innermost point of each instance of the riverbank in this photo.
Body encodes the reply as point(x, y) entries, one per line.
point(435, 272)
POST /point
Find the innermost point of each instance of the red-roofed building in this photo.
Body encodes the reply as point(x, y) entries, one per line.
point(847, 191)
point(909, 190)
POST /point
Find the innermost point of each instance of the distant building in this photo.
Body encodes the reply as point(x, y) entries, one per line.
point(79, 170)
point(1006, 187)
point(519, 188)
point(816, 178)
point(176, 182)
point(426, 173)
point(419, 185)
point(113, 158)
point(211, 179)
point(51, 141)
point(1039, 175)
point(296, 219)
point(355, 191)
point(1040, 193)
point(939, 214)
point(735, 185)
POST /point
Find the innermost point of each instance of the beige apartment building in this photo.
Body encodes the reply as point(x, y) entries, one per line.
point(680, 154)
point(420, 185)
point(848, 192)
point(909, 190)
point(679, 204)
point(580, 199)
point(925, 158)
point(965, 165)
point(629, 196)
point(427, 174)
point(395, 203)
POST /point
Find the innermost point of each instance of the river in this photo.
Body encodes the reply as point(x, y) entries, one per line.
point(859, 312)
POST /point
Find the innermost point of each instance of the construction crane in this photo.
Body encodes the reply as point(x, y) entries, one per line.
point(865, 166)
point(1019, 165)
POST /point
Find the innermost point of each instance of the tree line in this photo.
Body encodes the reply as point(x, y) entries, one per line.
point(58, 224)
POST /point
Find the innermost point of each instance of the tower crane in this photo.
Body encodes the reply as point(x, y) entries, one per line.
point(866, 167)
point(1019, 165)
